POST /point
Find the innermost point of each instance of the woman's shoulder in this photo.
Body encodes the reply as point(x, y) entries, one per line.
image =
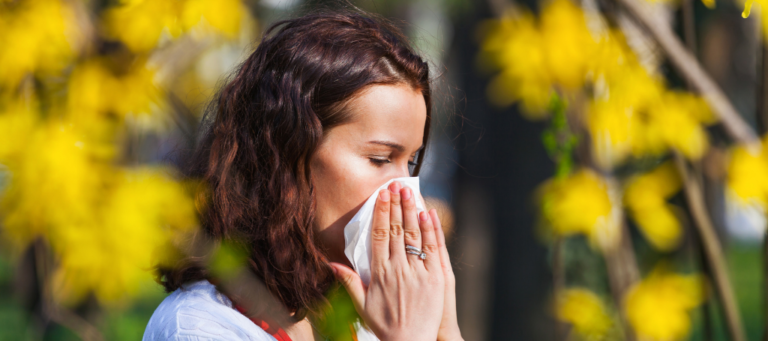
point(197, 311)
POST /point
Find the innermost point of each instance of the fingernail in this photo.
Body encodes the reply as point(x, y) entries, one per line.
point(394, 187)
point(384, 195)
point(423, 216)
point(406, 193)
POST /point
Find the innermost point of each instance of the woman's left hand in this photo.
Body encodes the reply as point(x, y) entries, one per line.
point(449, 325)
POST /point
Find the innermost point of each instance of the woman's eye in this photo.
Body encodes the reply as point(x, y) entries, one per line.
point(413, 163)
point(379, 161)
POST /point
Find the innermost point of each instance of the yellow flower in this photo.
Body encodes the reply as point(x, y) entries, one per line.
point(645, 197)
point(636, 116)
point(658, 307)
point(91, 89)
point(55, 182)
point(585, 312)
point(534, 57)
point(618, 118)
point(514, 45)
point(95, 91)
point(611, 56)
point(612, 127)
point(763, 18)
point(223, 16)
point(104, 224)
point(632, 113)
point(581, 204)
point(569, 45)
point(39, 36)
point(141, 24)
point(748, 174)
point(679, 118)
point(17, 122)
point(145, 210)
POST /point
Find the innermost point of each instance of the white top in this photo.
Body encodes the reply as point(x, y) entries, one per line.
point(196, 312)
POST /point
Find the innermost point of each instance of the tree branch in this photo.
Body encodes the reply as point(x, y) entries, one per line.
point(712, 250)
point(692, 71)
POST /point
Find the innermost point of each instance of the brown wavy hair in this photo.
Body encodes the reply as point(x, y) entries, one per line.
point(259, 134)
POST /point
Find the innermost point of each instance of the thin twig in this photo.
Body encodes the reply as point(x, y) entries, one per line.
point(689, 35)
point(558, 281)
point(689, 26)
point(621, 266)
point(712, 250)
point(84, 329)
point(68, 319)
point(762, 89)
point(762, 126)
point(692, 71)
point(765, 287)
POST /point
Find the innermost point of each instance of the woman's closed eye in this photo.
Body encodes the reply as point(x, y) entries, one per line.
point(380, 161)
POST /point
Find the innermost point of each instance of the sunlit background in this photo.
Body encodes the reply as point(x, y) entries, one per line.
point(601, 161)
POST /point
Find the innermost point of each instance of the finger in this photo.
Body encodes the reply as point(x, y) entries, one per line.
point(429, 243)
point(352, 282)
point(445, 259)
point(396, 245)
point(380, 230)
point(411, 229)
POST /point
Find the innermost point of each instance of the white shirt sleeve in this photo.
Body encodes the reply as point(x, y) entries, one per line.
point(198, 312)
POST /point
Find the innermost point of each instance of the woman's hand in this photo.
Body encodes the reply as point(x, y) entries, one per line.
point(404, 300)
point(449, 326)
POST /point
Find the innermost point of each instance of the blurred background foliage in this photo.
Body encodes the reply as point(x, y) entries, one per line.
point(600, 161)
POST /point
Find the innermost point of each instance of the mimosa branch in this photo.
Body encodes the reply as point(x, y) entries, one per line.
point(712, 250)
point(691, 70)
point(739, 131)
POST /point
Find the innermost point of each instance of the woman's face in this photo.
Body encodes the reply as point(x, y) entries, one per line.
point(377, 144)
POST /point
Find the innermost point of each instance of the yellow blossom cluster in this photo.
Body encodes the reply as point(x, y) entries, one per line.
point(582, 203)
point(38, 36)
point(586, 312)
point(586, 203)
point(105, 223)
point(645, 198)
point(141, 24)
point(630, 111)
point(95, 89)
point(658, 307)
point(748, 175)
point(763, 18)
point(65, 111)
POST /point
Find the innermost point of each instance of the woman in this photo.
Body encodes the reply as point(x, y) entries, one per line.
point(325, 110)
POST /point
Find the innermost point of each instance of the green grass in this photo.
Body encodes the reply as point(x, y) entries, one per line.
point(744, 263)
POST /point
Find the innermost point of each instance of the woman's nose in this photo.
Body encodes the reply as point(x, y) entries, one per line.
point(401, 172)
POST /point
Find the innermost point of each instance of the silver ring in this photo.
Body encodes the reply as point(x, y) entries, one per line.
point(415, 251)
point(412, 248)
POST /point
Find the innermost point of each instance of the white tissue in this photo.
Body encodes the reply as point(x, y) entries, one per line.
point(357, 233)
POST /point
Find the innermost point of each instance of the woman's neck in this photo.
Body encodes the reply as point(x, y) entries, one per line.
point(302, 331)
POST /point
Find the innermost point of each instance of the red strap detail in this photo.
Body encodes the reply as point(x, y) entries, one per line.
point(282, 336)
point(276, 332)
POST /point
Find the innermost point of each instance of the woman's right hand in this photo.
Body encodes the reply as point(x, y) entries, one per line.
point(404, 300)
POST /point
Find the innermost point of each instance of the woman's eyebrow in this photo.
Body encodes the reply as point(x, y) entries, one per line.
point(396, 146)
